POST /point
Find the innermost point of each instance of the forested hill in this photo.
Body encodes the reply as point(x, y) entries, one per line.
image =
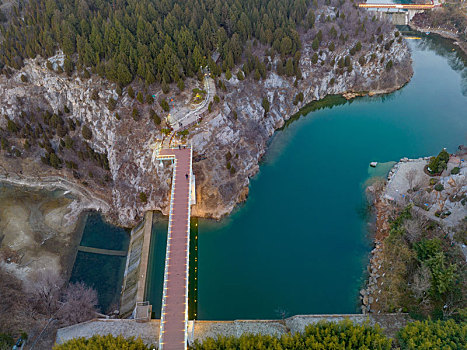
point(156, 40)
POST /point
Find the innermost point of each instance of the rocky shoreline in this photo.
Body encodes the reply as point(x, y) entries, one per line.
point(395, 193)
point(447, 34)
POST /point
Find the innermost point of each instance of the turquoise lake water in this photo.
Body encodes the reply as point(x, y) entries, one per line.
point(299, 245)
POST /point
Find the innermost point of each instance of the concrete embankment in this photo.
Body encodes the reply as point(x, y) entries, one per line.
point(134, 280)
point(200, 330)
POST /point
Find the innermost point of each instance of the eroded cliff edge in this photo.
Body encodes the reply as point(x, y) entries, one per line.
point(236, 131)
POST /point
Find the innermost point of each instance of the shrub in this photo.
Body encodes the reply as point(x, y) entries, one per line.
point(86, 74)
point(69, 142)
point(240, 75)
point(181, 84)
point(12, 126)
point(155, 117)
point(362, 60)
point(323, 335)
point(149, 99)
point(228, 74)
point(347, 61)
point(6, 341)
point(433, 335)
point(86, 132)
point(102, 342)
point(135, 114)
point(69, 67)
point(455, 170)
point(164, 104)
point(388, 45)
point(140, 97)
point(216, 99)
point(111, 104)
point(439, 187)
point(165, 87)
point(438, 164)
point(131, 92)
point(143, 197)
point(314, 58)
point(24, 78)
point(389, 65)
point(315, 44)
point(95, 94)
point(358, 46)
point(265, 104)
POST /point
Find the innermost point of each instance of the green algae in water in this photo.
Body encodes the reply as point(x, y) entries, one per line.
point(102, 272)
point(99, 234)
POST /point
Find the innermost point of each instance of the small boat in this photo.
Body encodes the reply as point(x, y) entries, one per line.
point(373, 164)
point(427, 33)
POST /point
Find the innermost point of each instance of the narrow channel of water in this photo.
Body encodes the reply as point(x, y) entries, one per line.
point(155, 273)
point(299, 245)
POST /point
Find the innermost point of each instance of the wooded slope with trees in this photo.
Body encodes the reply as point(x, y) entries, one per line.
point(155, 40)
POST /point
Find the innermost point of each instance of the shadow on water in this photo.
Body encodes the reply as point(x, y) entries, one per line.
point(102, 272)
point(456, 58)
point(329, 101)
point(300, 243)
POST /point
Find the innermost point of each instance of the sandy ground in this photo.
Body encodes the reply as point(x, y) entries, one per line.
point(36, 231)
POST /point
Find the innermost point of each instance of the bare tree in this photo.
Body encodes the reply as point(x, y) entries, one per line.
point(421, 283)
point(14, 308)
point(79, 304)
point(44, 291)
point(410, 176)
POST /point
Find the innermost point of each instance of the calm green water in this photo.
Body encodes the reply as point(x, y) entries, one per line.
point(299, 245)
point(102, 272)
point(155, 273)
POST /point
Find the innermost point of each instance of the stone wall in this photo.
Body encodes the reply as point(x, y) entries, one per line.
point(130, 278)
point(199, 330)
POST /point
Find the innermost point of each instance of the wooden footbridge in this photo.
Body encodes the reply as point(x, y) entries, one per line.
point(174, 313)
point(398, 6)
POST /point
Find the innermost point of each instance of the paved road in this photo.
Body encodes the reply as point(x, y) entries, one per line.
point(192, 116)
point(174, 317)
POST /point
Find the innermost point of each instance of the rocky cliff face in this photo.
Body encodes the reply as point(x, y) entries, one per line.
point(228, 143)
point(240, 127)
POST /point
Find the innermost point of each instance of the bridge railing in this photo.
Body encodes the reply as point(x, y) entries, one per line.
point(169, 238)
